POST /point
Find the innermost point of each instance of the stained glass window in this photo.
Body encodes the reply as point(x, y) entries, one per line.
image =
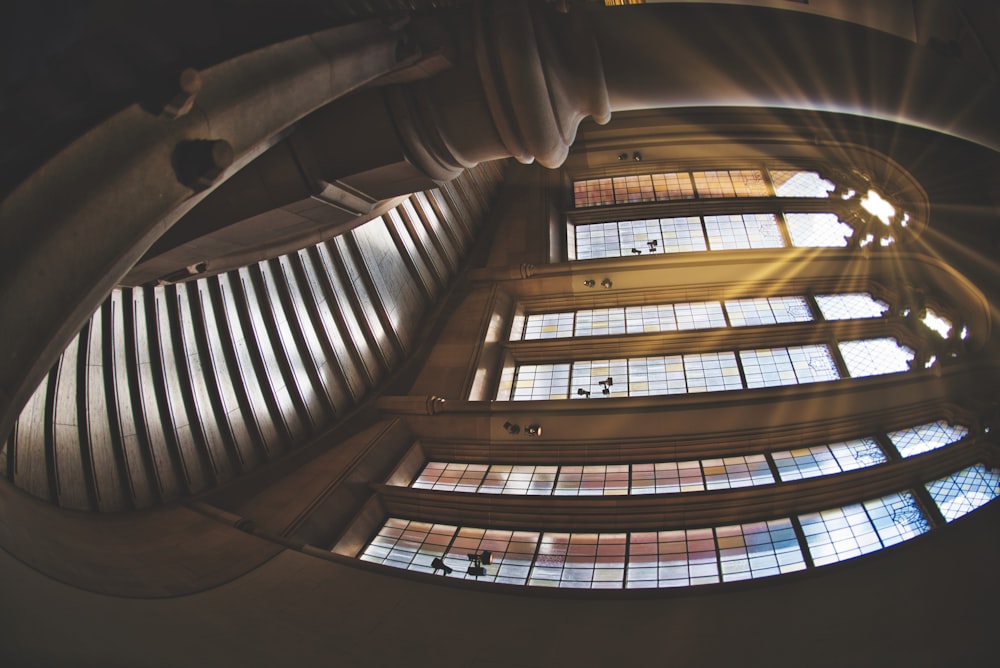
point(850, 531)
point(964, 491)
point(580, 560)
point(850, 306)
point(706, 372)
point(409, 544)
point(798, 183)
point(593, 480)
point(450, 477)
point(758, 550)
point(711, 184)
point(731, 472)
point(927, 437)
point(512, 554)
point(788, 366)
point(823, 460)
point(817, 230)
point(873, 357)
point(677, 557)
point(627, 238)
point(742, 231)
point(508, 479)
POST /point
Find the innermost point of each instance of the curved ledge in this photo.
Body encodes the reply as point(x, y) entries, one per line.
point(684, 510)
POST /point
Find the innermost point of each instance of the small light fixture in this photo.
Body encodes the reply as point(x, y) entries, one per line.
point(533, 430)
point(438, 564)
point(582, 392)
point(606, 283)
point(623, 156)
point(478, 560)
point(606, 386)
point(512, 428)
point(652, 245)
point(590, 283)
point(636, 251)
point(637, 156)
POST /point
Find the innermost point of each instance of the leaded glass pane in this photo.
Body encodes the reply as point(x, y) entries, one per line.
point(588, 375)
point(541, 381)
point(788, 366)
point(650, 376)
point(767, 311)
point(600, 322)
point(927, 437)
point(758, 550)
point(964, 491)
point(409, 544)
point(749, 183)
point(873, 357)
point(731, 183)
point(817, 230)
point(512, 553)
point(896, 517)
point(667, 477)
point(823, 460)
point(635, 235)
point(580, 560)
point(673, 186)
point(797, 183)
point(451, 477)
point(549, 326)
point(843, 533)
point(592, 480)
point(838, 534)
point(631, 189)
point(597, 240)
point(672, 558)
point(508, 479)
point(714, 184)
point(593, 192)
point(732, 472)
point(749, 230)
point(850, 306)
point(712, 372)
point(700, 315)
point(634, 188)
point(655, 318)
point(682, 235)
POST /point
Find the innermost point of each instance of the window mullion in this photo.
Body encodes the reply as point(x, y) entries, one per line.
point(838, 358)
point(718, 553)
point(803, 543)
point(773, 467)
point(739, 367)
point(783, 227)
point(628, 544)
point(888, 447)
point(768, 181)
point(534, 557)
point(929, 507)
point(817, 313)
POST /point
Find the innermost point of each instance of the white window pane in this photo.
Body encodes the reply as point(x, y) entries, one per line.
point(873, 357)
